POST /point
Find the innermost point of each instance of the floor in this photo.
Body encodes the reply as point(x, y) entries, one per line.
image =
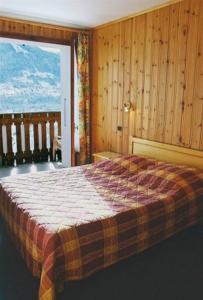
point(29, 168)
point(171, 270)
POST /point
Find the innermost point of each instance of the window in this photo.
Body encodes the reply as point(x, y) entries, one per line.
point(29, 77)
point(34, 100)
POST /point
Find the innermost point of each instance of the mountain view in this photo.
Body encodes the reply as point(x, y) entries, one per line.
point(29, 78)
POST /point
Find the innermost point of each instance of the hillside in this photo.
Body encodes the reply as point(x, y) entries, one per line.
point(29, 78)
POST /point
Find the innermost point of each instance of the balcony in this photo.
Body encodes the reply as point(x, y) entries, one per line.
point(28, 137)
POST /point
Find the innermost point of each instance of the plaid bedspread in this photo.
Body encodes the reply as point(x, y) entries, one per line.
point(70, 223)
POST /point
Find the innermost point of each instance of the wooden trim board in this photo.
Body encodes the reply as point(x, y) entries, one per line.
point(166, 152)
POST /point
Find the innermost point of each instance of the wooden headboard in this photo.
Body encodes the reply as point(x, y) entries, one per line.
point(165, 152)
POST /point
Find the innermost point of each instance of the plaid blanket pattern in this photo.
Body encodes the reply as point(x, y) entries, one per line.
point(70, 223)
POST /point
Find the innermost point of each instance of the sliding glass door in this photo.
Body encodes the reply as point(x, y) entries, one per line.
point(35, 100)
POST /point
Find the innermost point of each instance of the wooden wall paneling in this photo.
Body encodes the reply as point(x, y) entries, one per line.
point(134, 72)
point(147, 75)
point(104, 81)
point(109, 108)
point(181, 45)
point(126, 81)
point(190, 72)
point(103, 102)
point(120, 88)
point(199, 90)
point(162, 74)
point(140, 73)
point(201, 138)
point(108, 88)
point(155, 71)
point(115, 68)
point(28, 30)
point(197, 113)
point(172, 73)
point(167, 69)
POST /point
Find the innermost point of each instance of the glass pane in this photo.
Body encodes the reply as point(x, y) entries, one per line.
point(29, 78)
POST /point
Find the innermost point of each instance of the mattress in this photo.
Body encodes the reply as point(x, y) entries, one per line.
point(69, 223)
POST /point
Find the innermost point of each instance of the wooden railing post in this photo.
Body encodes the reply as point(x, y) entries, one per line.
point(59, 132)
point(26, 123)
point(36, 152)
point(2, 156)
point(19, 153)
point(54, 117)
point(8, 121)
point(44, 150)
point(51, 124)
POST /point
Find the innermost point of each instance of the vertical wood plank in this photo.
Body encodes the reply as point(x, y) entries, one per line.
point(156, 29)
point(106, 107)
point(172, 73)
point(182, 41)
point(190, 72)
point(110, 89)
point(147, 75)
point(120, 88)
point(126, 82)
point(134, 75)
point(114, 120)
point(140, 74)
point(197, 113)
point(162, 75)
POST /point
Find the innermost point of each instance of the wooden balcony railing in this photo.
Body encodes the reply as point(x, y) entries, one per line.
point(28, 137)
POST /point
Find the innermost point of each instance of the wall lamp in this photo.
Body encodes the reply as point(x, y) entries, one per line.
point(128, 107)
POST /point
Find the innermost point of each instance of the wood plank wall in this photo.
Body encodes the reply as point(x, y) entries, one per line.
point(154, 60)
point(28, 30)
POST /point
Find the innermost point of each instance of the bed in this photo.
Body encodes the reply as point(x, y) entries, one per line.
point(68, 224)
